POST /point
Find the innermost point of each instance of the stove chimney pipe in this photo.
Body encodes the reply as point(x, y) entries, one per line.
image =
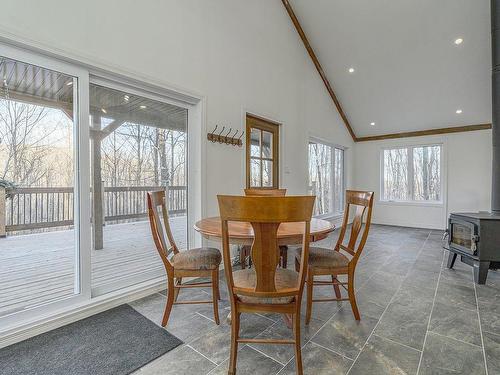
point(495, 87)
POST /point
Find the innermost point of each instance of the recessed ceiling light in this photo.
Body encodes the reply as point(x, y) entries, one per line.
point(103, 110)
point(458, 111)
point(351, 70)
point(126, 97)
point(372, 123)
point(69, 83)
point(143, 107)
point(458, 41)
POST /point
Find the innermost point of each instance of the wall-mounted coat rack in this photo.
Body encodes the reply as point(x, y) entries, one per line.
point(226, 138)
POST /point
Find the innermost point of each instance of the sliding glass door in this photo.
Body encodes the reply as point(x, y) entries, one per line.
point(138, 144)
point(76, 161)
point(40, 258)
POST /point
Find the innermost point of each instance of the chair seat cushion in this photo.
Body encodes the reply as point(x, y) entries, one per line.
point(203, 258)
point(324, 258)
point(284, 278)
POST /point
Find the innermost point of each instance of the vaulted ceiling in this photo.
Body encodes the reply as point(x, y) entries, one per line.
point(409, 74)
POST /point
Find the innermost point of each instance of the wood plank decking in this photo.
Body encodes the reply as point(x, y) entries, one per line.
point(36, 269)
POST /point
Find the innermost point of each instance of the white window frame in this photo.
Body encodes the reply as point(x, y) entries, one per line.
point(412, 202)
point(22, 325)
point(81, 184)
point(333, 146)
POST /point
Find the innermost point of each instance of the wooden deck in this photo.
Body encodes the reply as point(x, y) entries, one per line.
point(36, 269)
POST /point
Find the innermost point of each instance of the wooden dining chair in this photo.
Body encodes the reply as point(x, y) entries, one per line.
point(200, 262)
point(265, 192)
point(245, 250)
point(265, 287)
point(334, 262)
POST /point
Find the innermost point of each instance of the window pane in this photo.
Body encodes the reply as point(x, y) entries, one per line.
point(39, 253)
point(267, 173)
point(267, 145)
point(137, 145)
point(338, 196)
point(320, 176)
point(255, 173)
point(255, 143)
point(427, 173)
point(396, 174)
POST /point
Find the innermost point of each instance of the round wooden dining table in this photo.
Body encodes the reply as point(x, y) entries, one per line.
point(241, 233)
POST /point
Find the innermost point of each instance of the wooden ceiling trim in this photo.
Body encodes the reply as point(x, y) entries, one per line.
point(421, 133)
point(318, 66)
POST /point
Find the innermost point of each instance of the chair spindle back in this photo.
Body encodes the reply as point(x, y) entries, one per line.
point(159, 228)
point(362, 201)
point(265, 214)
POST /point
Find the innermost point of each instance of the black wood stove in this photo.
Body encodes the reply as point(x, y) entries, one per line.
point(476, 236)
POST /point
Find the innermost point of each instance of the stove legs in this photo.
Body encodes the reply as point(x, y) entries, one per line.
point(481, 272)
point(452, 257)
point(480, 268)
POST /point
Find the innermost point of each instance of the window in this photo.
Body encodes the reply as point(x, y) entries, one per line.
point(262, 142)
point(138, 144)
point(39, 106)
point(326, 177)
point(412, 174)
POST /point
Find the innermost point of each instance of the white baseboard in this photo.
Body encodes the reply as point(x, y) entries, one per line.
point(407, 224)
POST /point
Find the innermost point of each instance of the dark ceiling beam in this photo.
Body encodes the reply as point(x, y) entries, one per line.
point(317, 64)
point(422, 133)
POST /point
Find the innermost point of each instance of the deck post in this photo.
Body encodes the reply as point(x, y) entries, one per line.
point(3, 208)
point(97, 193)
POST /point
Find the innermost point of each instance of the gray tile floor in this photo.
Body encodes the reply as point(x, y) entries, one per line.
point(418, 317)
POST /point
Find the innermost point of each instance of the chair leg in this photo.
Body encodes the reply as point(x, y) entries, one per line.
point(218, 287)
point(170, 301)
point(296, 332)
point(284, 256)
point(235, 329)
point(243, 260)
point(310, 282)
point(352, 294)
point(177, 290)
point(336, 287)
point(215, 288)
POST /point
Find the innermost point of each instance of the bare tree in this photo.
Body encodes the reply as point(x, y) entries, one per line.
point(28, 141)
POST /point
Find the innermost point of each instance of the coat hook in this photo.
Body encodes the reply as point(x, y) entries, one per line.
point(243, 132)
point(213, 131)
point(234, 141)
point(226, 139)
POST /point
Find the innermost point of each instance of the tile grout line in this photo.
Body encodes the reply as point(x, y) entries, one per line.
point(266, 355)
point(204, 356)
point(387, 307)
point(480, 328)
point(430, 315)
point(308, 341)
point(395, 342)
point(326, 321)
point(455, 339)
point(333, 351)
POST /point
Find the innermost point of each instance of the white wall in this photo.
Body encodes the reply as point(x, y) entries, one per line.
point(467, 172)
point(240, 55)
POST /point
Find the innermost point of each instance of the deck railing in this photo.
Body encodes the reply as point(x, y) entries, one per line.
point(36, 208)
